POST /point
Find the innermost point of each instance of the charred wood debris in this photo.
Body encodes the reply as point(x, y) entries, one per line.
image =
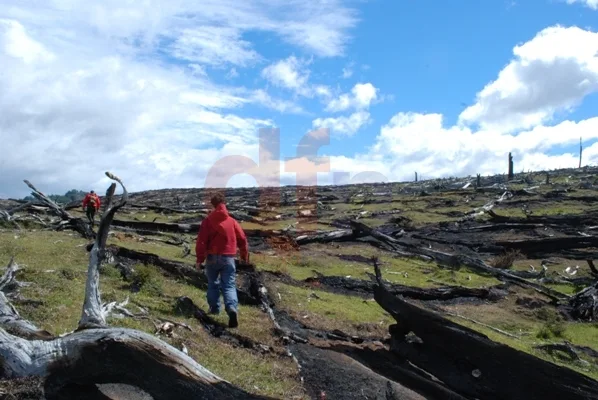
point(426, 355)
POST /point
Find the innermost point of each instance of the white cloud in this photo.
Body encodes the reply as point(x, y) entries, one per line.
point(318, 27)
point(347, 71)
point(346, 126)
point(419, 142)
point(293, 74)
point(553, 72)
point(263, 98)
point(127, 86)
point(85, 89)
point(214, 45)
point(290, 73)
point(593, 4)
point(517, 113)
point(66, 120)
point(360, 98)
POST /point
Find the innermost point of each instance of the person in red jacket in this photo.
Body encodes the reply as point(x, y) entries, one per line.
point(91, 204)
point(217, 241)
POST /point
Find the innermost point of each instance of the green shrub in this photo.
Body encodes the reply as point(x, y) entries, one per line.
point(146, 278)
point(554, 326)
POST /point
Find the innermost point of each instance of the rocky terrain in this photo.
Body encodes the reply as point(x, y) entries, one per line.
point(470, 288)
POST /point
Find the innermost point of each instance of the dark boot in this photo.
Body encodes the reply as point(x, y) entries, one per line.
point(232, 319)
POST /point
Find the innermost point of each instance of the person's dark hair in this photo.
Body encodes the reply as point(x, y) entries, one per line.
point(92, 192)
point(217, 199)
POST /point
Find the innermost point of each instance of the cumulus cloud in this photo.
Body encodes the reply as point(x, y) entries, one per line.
point(290, 73)
point(552, 72)
point(593, 4)
point(345, 126)
point(347, 71)
point(293, 74)
point(359, 100)
point(420, 142)
point(361, 96)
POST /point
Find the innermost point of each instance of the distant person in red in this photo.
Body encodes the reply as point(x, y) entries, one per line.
point(217, 241)
point(91, 204)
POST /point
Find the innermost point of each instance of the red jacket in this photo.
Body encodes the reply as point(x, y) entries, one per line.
point(87, 199)
point(219, 233)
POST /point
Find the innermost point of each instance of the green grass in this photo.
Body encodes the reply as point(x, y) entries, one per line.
point(56, 264)
point(405, 271)
point(561, 207)
point(331, 311)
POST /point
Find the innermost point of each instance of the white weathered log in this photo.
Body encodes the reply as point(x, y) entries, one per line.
point(93, 314)
point(109, 356)
point(9, 316)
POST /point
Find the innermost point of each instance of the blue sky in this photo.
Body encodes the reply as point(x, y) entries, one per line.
point(159, 92)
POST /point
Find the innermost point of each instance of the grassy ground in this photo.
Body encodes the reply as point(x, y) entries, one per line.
point(56, 262)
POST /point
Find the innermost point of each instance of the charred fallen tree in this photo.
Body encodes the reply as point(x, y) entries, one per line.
point(157, 227)
point(459, 260)
point(587, 219)
point(544, 247)
point(583, 305)
point(471, 364)
point(148, 227)
point(359, 286)
point(569, 246)
point(340, 235)
point(96, 353)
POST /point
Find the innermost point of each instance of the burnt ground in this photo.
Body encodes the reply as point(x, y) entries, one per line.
point(321, 289)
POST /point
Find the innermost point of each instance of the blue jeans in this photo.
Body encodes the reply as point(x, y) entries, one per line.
point(221, 274)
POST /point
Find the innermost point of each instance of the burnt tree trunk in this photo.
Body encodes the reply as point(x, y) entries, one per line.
point(471, 364)
point(511, 175)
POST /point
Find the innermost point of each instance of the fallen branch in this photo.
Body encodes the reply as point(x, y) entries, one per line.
point(10, 320)
point(327, 237)
point(473, 321)
point(67, 220)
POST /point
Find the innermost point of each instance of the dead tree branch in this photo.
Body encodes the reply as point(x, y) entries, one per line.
point(67, 220)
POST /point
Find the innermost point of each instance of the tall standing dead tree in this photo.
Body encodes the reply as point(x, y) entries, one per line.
point(96, 353)
point(511, 176)
point(580, 151)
